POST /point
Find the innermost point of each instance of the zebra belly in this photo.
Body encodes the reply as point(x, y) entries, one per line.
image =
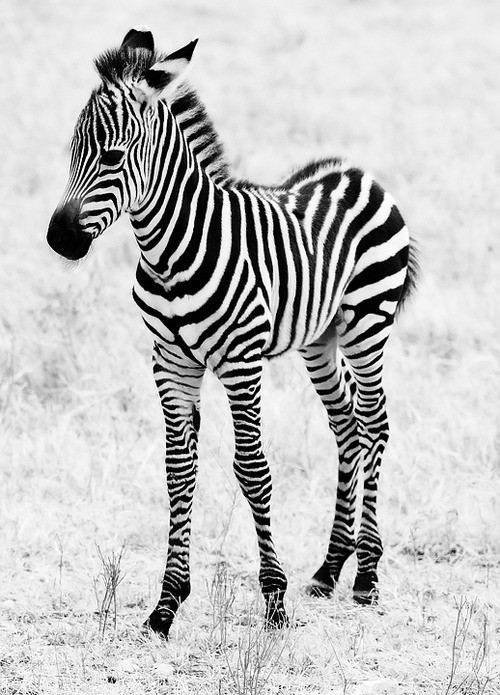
point(304, 304)
point(292, 331)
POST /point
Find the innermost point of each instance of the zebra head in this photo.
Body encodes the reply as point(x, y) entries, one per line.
point(112, 149)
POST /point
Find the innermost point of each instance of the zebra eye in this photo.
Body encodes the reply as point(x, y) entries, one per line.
point(111, 157)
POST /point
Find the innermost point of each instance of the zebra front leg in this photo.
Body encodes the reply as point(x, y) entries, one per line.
point(328, 376)
point(178, 383)
point(243, 384)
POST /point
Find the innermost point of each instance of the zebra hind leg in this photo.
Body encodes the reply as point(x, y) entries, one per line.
point(374, 434)
point(362, 343)
point(336, 388)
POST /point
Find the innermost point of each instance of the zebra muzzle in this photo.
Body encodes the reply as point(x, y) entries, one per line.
point(65, 235)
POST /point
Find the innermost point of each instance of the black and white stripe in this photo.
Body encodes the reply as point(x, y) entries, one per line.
point(231, 273)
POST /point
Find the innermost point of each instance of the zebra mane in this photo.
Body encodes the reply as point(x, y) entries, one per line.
point(125, 63)
point(120, 65)
point(200, 133)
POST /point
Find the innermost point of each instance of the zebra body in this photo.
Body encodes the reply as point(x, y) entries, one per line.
point(288, 254)
point(231, 273)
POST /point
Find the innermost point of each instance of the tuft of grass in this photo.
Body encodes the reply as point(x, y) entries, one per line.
point(258, 652)
point(473, 675)
point(222, 594)
point(106, 585)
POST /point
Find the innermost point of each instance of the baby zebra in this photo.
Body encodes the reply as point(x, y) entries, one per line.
point(231, 273)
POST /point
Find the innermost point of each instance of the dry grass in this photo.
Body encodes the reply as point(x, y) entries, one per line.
point(409, 91)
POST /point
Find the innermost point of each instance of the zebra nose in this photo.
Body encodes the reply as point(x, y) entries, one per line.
point(65, 235)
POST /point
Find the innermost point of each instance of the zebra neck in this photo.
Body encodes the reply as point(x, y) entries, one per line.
point(182, 205)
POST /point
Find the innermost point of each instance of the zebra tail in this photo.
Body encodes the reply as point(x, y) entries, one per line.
point(412, 275)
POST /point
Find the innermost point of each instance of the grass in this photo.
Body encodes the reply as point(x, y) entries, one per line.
point(409, 92)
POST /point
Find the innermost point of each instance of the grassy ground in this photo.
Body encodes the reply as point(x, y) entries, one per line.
point(410, 92)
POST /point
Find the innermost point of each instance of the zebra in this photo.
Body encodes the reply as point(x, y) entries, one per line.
point(231, 273)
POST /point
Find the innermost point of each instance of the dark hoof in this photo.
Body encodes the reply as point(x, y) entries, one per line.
point(276, 617)
point(365, 590)
point(277, 620)
point(319, 589)
point(160, 622)
point(366, 598)
point(322, 584)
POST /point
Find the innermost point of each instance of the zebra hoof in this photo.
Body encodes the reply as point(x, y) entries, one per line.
point(159, 622)
point(318, 589)
point(322, 584)
point(366, 598)
point(277, 620)
point(276, 616)
point(365, 590)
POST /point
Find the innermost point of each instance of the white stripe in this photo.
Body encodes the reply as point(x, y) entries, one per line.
point(390, 282)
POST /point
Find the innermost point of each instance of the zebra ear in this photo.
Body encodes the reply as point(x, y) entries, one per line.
point(139, 37)
point(164, 76)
